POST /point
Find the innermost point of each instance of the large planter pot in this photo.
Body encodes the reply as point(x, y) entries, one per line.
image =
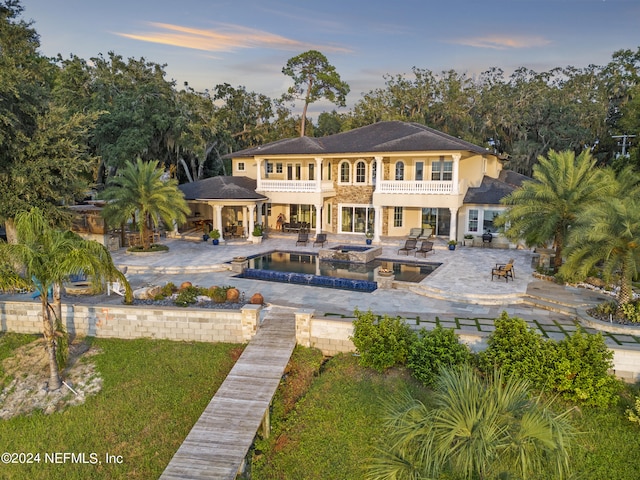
point(452, 247)
point(215, 241)
point(368, 241)
point(256, 239)
point(205, 237)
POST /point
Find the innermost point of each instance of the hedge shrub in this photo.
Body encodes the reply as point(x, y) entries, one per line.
point(381, 342)
point(432, 350)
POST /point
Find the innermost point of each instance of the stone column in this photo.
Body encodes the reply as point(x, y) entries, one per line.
point(318, 218)
point(252, 209)
point(245, 223)
point(453, 228)
point(218, 222)
point(250, 316)
point(303, 326)
point(377, 224)
point(262, 220)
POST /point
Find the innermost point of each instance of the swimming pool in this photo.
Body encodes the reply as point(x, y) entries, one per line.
point(307, 268)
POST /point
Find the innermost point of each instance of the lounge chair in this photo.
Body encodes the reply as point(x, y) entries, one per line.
point(426, 233)
point(414, 233)
point(321, 239)
point(409, 245)
point(425, 248)
point(503, 271)
point(303, 239)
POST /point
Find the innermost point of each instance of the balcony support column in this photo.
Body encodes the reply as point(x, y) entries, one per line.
point(252, 209)
point(455, 174)
point(453, 227)
point(318, 174)
point(258, 173)
point(377, 223)
point(379, 173)
point(318, 218)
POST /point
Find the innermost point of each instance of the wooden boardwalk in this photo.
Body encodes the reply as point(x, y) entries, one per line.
point(220, 440)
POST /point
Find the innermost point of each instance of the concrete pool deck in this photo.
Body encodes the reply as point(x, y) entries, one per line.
point(459, 294)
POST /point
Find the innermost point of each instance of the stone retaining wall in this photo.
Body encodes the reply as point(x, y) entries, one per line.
point(232, 326)
point(125, 321)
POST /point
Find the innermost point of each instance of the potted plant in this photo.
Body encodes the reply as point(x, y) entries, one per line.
point(467, 237)
point(452, 244)
point(256, 236)
point(205, 236)
point(369, 236)
point(215, 235)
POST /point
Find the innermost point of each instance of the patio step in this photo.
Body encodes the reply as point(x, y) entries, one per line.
point(174, 270)
point(550, 304)
point(477, 299)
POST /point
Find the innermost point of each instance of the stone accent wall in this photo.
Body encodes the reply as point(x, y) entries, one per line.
point(202, 325)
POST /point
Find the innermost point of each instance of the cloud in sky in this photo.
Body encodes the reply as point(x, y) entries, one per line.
point(224, 38)
point(503, 42)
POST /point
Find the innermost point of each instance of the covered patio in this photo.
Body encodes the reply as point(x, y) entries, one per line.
point(224, 203)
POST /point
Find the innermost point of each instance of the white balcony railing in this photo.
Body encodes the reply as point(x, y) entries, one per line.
point(415, 187)
point(294, 185)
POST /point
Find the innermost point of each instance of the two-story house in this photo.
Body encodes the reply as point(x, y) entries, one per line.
point(386, 178)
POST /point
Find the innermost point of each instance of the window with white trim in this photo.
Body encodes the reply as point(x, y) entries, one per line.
point(472, 224)
point(269, 167)
point(345, 172)
point(441, 170)
point(278, 167)
point(397, 216)
point(399, 170)
point(241, 166)
point(361, 172)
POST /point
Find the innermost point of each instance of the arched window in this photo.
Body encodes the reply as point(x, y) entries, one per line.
point(361, 171)
point(345, 172)
point(399, 170)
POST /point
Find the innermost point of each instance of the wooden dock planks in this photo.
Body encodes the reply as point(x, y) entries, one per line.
point(218, 443)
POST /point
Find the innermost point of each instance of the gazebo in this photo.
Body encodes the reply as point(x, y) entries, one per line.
point(228, 204)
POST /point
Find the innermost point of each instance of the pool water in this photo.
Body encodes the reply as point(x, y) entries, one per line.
point(309, 264)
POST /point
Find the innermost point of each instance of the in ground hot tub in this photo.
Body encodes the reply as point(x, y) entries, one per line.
point(350, 253)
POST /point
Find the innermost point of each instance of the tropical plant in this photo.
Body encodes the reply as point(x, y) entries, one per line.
point(215, 234)
point(477, 429)
point(608, 232)
point(44, 258)
point(544, 209)
point(140, 189)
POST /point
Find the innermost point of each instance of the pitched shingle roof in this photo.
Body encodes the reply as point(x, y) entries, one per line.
point(492, 190)
point(222, 188)
point(375, 138)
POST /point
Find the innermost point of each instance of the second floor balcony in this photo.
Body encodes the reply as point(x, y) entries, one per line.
point(298, 186)
point(421, 187)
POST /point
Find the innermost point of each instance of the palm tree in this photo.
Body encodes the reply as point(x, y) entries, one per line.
point(43, 258)
point(608, 231)
point(140, 189)
point(477, 429)
point(543, 210)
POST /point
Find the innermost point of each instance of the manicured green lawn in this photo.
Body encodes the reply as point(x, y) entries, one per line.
point(335, 426)
point(153, 392)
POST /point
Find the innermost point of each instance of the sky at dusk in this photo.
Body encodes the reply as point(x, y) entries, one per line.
point(207, 42)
